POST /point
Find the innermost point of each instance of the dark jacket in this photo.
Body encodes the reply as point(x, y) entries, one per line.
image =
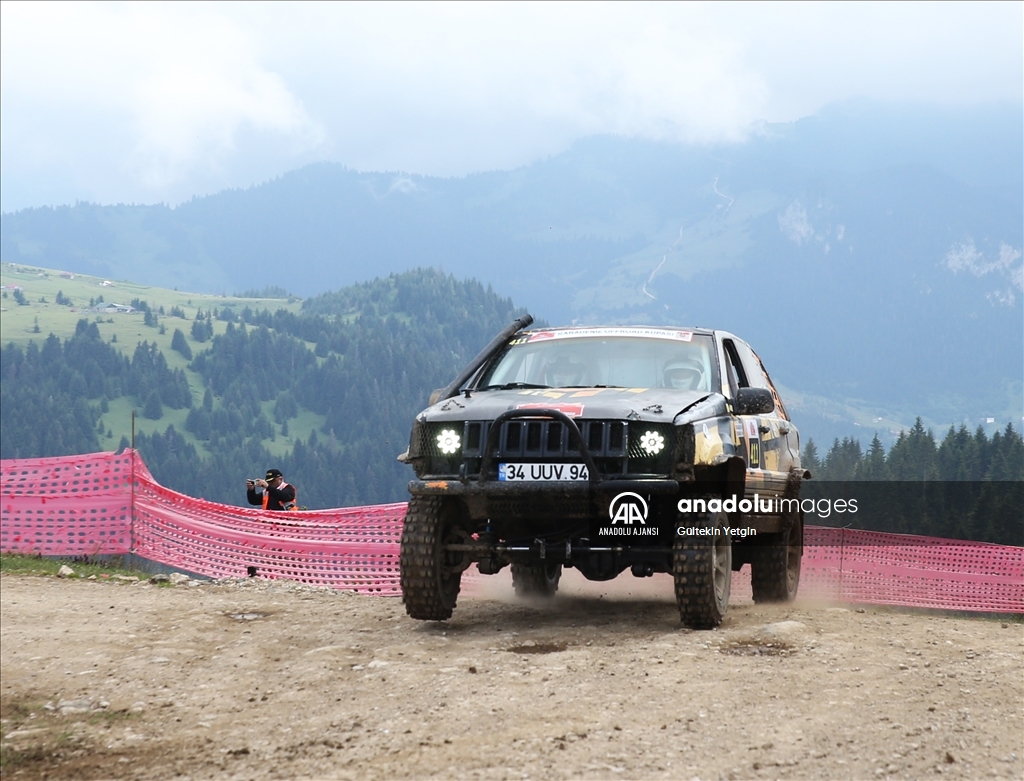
point(277, 498)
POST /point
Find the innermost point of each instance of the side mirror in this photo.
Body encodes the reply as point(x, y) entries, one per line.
point(434, 396)
point(754, 401)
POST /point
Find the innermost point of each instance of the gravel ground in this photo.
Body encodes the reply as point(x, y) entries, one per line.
point(263, 680)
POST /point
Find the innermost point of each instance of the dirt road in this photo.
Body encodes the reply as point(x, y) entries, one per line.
point(266, 680)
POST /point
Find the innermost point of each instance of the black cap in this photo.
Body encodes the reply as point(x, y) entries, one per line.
point(272, 473)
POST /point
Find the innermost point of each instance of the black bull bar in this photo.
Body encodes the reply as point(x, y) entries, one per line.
point(492, 487)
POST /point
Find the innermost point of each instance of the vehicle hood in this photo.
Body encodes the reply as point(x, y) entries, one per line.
point(661, 405)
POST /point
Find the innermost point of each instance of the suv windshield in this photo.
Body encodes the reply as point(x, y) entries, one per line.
point(613, 358)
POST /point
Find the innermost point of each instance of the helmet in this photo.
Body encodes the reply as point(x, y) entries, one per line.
point(684, 374)
point(564, 372)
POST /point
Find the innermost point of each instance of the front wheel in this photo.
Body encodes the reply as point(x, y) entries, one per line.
point(775, 565)
point(536, 580)
point(430, 576)
point(702, 571)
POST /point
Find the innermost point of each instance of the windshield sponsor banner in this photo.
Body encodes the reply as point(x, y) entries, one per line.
point(579, 333)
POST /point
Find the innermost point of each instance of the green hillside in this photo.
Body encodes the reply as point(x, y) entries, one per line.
point(223, 387)
point(41, 315)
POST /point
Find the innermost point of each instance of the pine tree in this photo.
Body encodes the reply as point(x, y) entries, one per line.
point(154, 409)
point(873, 467)
point(810, 460)
point(842, 461)
point(912, 458)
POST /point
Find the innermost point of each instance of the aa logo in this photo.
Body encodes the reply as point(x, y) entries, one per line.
point(628, 508)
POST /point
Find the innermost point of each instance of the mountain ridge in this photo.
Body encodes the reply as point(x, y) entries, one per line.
point(885, 242)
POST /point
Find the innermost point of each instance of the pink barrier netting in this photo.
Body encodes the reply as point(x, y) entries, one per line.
point(83, 505)
point(850, 565)
point(353, 548)
point(70, 506)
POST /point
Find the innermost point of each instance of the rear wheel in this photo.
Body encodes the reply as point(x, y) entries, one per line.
point(775, 565)
point(430, 576)
point(536, 580)
point(702, 571)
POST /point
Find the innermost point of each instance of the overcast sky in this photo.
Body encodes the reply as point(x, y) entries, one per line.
point(150, 102)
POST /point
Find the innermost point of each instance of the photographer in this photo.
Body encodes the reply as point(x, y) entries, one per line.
point(273, 493)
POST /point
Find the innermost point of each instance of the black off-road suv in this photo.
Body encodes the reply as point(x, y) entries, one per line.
point(605, 449)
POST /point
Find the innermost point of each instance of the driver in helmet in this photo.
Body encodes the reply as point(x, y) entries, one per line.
point(684, 374)
point(565, 372)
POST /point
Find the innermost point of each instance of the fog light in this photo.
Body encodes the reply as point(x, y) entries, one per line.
point(652, 442)
point(448, 441)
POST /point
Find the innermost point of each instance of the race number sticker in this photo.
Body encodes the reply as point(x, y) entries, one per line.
point(754, 442)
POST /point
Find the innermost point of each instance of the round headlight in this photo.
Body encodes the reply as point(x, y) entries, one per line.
point(448, 441)
point(652, 442)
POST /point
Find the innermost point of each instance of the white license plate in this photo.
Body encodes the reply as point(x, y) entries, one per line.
point(541, 473)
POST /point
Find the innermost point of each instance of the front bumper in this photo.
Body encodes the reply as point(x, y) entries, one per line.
point(658, 486)
point(496, 499)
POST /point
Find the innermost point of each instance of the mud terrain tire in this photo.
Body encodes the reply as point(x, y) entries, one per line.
point(702, 571)
point(536, 580)
point(775, 565)
point(430, 583)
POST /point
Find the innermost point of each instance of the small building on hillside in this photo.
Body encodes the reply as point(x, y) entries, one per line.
point(112, 308)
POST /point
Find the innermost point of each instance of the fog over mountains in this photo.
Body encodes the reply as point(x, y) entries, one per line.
point(871, 254)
